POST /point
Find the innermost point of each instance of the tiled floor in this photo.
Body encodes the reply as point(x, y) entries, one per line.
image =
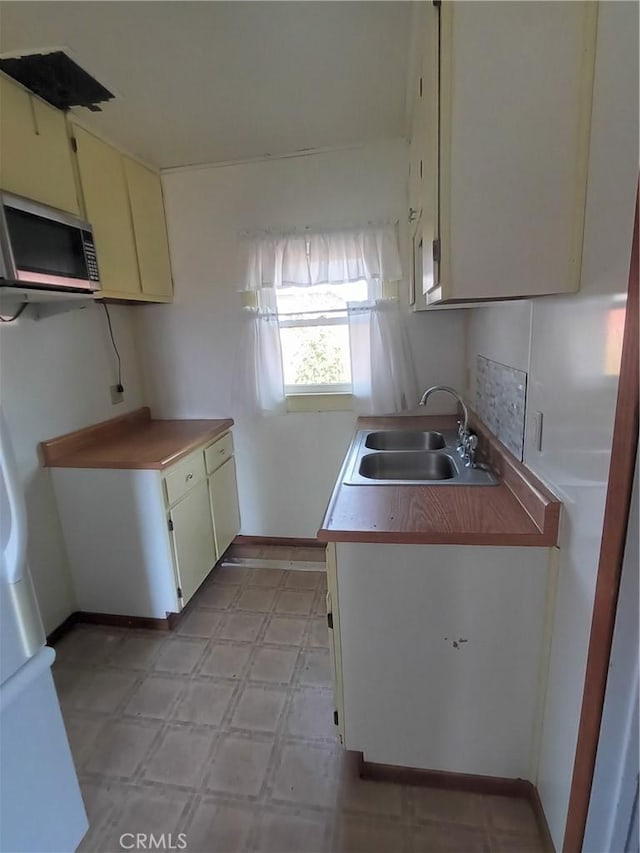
point(223, 731)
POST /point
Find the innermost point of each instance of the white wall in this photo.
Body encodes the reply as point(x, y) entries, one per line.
point(562, 343)
point(286, 465)
point(55, 375)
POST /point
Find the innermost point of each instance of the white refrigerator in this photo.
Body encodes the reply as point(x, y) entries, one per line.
point(41, 808)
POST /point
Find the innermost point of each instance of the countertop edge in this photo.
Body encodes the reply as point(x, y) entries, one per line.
point(222, 425)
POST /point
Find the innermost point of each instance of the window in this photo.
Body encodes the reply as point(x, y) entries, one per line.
point(314, 335)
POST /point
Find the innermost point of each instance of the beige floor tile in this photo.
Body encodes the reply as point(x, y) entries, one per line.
point(293, 833)
point(273, 665)
point(101, 801)
point(296, 602)
point(217, 827)
point(179, 655)
point(310, 555)
point(285, 630)
point(307, 775)
point(204, 703)
point(150, 812)
point(180, 757)
point(302, 580)
point(316, 668)
point(369, 797)
point(259, 708)
point(241, 626)
point(502, 842)
point(120, 747)
point(239, 766)
point(68, 680)
point(217, 596)
point(256, 598)
point(102, 690)
point(87, 646)
point(230, 574)
point(355, 835)
point(448, 838)
point(265, 577)
point(310, 714)
point(318, 632)
point(460, 807)
point(226, 660)
point(201, 623)
point(82, 730)
point(320, 603)
point(155, 697)
point(511, 814)
point(137, 652)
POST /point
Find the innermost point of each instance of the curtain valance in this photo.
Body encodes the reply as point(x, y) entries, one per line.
point(324, 257)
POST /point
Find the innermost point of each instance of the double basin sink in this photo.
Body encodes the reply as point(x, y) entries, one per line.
point(412, 457)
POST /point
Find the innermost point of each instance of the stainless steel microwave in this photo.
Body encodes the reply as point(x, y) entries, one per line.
point(44, 248)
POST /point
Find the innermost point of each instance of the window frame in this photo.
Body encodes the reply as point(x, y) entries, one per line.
point(324, 391)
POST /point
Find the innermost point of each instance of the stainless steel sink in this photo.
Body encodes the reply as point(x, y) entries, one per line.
point(411, 458)
point(403, 439)
point(408, 465)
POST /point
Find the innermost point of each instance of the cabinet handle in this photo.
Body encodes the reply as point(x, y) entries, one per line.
point(222, 451)
point(189, 477)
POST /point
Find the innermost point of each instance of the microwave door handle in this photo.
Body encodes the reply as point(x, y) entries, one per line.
point(15, 549)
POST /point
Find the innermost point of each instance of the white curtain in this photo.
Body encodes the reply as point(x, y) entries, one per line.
point(383, 375)
point(382, 370)
point(324, 257)
point(258, 382)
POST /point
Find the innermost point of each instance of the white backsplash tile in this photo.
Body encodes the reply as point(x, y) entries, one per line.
point(501, 394)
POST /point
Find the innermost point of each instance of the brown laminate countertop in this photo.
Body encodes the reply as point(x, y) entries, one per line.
point(518, 511)
point(132, 441)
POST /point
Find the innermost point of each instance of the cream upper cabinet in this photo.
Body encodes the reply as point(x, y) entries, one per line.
point(35, 152)
point(515, 89)
point(106, 199)
point(423, 169)
point(147, 210)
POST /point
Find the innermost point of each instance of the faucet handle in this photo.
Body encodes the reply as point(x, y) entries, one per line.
point(470, 445)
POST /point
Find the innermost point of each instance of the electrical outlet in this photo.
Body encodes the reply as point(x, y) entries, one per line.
point(117, 396)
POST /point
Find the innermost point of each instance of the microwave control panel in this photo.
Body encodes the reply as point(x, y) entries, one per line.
point(90, 256)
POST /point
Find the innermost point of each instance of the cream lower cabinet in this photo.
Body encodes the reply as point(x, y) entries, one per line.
point(140, 542)
point(440, 654)
point(192, 536)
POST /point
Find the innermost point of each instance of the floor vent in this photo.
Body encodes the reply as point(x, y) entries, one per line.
point(57, 79)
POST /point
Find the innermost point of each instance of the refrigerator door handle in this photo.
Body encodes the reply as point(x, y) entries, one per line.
point(15, 548)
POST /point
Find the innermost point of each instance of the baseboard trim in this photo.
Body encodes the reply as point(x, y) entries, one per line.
point(281, 541)
point(541, 818)
point(470, 782)
point(58, 633)
point(117, 620)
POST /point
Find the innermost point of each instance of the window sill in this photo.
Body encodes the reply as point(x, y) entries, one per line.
point(342, 402)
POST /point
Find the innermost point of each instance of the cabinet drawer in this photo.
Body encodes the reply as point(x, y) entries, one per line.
point(184, 476)
point(218, 453)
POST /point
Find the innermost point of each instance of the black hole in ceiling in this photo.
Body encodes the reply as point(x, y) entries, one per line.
point(57, 79)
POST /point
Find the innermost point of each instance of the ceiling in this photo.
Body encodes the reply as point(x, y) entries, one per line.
point(206, 82)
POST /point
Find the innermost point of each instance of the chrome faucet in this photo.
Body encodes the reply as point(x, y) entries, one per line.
point(466, 442)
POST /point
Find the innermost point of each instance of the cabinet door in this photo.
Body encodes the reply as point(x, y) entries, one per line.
point(223, 493)
point(106, 201)
point(147, 211)
point(35, 152)
point(335, 649)
point(516, 83)
point(193, 543)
